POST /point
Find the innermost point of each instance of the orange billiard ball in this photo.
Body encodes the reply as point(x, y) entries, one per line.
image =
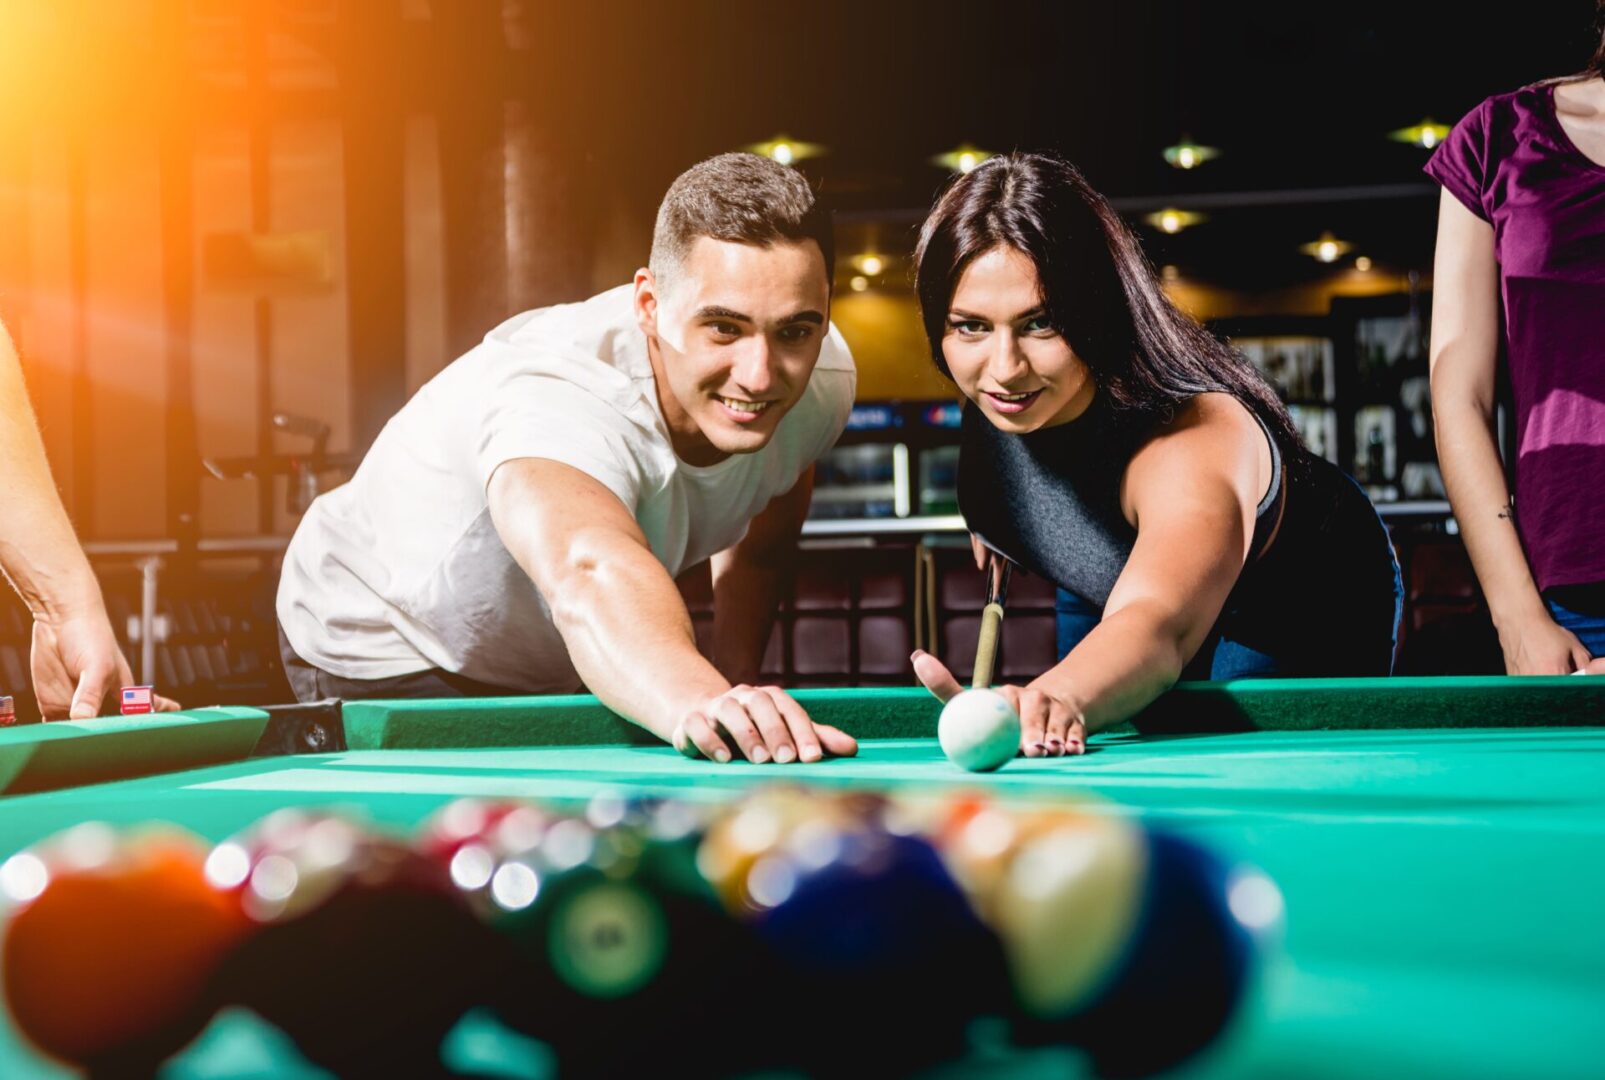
point(110, 943)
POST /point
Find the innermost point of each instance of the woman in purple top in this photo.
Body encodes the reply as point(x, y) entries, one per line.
point(1521, 232)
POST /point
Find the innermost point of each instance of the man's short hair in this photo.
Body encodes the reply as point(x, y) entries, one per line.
point(742, 199)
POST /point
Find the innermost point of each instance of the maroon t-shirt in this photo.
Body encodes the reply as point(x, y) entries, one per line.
point(1514, 166)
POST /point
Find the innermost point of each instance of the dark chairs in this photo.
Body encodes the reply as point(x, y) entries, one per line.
point(854, 613)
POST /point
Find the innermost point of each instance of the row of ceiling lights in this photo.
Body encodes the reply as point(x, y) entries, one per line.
point(1185, 155)
point(868, 266)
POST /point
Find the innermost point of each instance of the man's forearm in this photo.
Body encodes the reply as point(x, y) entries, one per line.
point(630, 638)
point(746, 595)
point(750, 578)
point(1475, 480)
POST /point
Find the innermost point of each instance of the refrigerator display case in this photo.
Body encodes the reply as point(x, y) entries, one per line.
point(897, 459)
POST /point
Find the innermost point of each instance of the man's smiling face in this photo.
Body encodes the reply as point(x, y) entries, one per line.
point(734, 336)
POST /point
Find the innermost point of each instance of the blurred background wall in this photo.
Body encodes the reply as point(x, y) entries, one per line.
point(214, 213)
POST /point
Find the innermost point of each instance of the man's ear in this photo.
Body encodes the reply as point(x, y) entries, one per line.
point(646, 301)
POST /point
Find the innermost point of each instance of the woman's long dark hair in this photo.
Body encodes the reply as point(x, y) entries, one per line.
point(1596, 66)
point(1099, 290)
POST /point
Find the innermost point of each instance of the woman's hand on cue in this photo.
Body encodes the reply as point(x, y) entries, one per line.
point(1048, 726)
point(763, 724)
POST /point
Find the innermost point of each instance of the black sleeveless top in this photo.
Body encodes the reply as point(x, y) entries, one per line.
point(1049, 500)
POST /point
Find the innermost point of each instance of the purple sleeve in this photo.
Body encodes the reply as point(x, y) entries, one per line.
point(1461, 162)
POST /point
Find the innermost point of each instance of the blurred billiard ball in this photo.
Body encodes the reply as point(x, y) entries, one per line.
point(865, 919)
point(1122, 941)
point(110, 944)
point(366, 955)
point(626, 955)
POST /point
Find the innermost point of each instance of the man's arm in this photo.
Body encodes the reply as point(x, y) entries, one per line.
point(750, 577)
point(1465, 348)
point(625, 625)
point(75, 658)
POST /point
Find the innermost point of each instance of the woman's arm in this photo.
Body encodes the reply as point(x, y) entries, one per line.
point(1192, 493)
point(1465, 349)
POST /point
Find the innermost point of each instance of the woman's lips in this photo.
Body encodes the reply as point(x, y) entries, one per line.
point(1012, 403)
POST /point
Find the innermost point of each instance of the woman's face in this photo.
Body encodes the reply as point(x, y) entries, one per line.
point(1002, 352)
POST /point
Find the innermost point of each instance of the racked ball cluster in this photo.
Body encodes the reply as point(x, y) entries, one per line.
point(619, 929)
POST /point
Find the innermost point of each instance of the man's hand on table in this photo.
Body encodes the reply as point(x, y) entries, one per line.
point(76, 663)
point(762, 724)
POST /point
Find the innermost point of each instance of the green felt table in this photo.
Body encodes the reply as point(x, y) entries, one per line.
point(1440, 844)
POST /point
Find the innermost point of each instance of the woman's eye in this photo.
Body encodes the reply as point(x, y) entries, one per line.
point(1039, 325)
point(968, 327)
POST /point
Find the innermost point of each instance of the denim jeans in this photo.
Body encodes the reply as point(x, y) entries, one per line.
point(1356, 643)
point(1221, 657)
point(1580, 609)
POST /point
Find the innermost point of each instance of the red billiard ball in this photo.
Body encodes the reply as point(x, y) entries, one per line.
point(111, 944)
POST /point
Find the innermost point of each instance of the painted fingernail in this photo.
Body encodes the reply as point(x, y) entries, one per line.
point(1075, 747)
point(784, 755)
point(1039, 748)
point(1056, 746)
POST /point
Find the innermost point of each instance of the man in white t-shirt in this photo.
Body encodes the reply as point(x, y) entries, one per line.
point(517, 527)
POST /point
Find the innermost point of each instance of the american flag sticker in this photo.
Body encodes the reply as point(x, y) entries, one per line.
point(137, 699)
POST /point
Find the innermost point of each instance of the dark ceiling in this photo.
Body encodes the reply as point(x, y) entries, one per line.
point(624, 94)
point(1297, 95)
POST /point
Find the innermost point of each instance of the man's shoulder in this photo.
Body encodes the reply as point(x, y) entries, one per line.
point(600, 329)
point(594, 344)
point(834, 354)
point(606, 308)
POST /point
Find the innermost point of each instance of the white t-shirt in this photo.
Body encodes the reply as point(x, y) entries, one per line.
point(401, 569)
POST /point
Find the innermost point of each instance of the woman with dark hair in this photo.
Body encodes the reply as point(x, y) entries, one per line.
point(1521, 232)
point(1113, 445)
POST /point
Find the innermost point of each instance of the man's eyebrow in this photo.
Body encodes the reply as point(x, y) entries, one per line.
point(714, 311)
point(1040, 309)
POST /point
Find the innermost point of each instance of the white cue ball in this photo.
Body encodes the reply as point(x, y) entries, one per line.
point(978, 730)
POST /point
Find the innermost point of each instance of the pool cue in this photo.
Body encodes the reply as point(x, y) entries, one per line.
point(986, 645)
